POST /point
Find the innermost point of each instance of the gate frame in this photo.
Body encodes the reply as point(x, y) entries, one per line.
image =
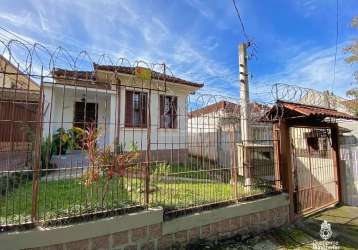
point(285, 160)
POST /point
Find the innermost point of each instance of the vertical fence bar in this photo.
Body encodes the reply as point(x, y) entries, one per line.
point(37, 158)
point(233, 163)
point(148, 156)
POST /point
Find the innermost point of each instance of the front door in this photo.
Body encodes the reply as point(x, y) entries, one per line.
point(86, 114)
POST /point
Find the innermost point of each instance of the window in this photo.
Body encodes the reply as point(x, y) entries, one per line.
point(85, 114)
point(168, 111)
point(136, 109)
point(318, 142)
point(313, 144)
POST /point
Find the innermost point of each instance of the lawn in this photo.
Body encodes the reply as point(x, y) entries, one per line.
point(173, 187)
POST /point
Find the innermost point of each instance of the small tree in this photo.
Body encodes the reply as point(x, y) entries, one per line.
point(353, 58)
point(105, 162)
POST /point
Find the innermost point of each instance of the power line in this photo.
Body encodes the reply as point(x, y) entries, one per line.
point(241, 22)
point(250, 42)
point(336, 50)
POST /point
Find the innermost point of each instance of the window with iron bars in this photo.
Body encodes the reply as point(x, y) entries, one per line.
point(136, 109)
point(168, 111)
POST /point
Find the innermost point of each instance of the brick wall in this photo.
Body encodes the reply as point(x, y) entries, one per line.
point(241, 219)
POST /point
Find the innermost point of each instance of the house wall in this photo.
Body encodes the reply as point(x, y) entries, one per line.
point(147, 230)
point(165, 143)
point(161, 139)
point(59, 110)
point(14, 77)
point(212, 137)
point(203, 135)
point(350, 137)
point(349, 173)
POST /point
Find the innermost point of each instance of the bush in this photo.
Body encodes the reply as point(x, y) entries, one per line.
point(47, 151)
point(70, 139)
point(60, 141)
point(11, 181)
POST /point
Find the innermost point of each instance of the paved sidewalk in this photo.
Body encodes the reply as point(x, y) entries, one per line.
point(301, 235)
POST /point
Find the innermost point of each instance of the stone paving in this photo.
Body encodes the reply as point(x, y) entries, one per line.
point(301, 235)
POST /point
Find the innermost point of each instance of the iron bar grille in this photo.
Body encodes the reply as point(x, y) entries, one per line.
point(82, 144)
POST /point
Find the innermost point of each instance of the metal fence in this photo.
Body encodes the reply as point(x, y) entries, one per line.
point(109, 138)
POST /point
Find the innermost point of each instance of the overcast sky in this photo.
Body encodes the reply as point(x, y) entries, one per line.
point(198, 39)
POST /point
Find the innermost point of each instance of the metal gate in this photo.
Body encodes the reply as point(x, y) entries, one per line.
point(314, 169)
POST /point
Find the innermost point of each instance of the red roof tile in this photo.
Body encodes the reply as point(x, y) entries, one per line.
point(314, 111)
point(155, 74)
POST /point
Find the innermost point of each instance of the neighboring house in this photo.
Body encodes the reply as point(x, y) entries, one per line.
point(214, 133)
point(11, 77)
point(116, 100)
point(19, 97)
point(349, 129)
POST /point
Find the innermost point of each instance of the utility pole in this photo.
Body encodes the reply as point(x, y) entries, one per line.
point(244, 113)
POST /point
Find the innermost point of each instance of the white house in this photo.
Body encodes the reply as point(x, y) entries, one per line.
point(215, 133)
point(118, 100)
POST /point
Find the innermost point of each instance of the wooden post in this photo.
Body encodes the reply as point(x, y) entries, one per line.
point(286, 165)
point(244, 112)
point(336, 161)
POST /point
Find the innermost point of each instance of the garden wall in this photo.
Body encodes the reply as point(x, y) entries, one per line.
point(147, 230)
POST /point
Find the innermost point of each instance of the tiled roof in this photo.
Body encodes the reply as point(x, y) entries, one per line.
point(90, 75)
point(155, 74)
point(227, 106)
point(314, 111)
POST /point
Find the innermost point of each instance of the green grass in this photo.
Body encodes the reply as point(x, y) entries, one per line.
point(70, 197)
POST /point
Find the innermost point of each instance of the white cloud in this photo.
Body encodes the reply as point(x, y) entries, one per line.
point(308, 7)
point(201, 7)
point(314, 68)
point(21, 19)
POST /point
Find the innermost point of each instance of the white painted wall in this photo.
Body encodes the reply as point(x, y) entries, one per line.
point(61, 113)
point(160, 138)
point(59, 110)
point(208, 139)
point(349, 173)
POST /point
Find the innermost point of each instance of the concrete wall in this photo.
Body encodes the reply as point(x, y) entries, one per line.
point(147, 230)
point(349, 173)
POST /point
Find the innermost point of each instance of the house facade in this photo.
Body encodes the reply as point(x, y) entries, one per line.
point(126, 107)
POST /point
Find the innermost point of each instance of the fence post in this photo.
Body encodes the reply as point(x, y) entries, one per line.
point(148, 153)
point(37, 156)
point(336, 161)
point(234, 162)
point(277, 156)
